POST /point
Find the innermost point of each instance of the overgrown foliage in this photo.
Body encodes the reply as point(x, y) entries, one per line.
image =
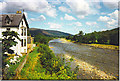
point(103, 37)
point(9, 41)
point(54, 64)
point(43, 64)
point(40, 38)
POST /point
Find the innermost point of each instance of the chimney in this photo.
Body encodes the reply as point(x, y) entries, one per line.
point(18, 12)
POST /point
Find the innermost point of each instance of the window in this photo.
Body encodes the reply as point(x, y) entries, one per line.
point(8, 29)
point(22, 32)
point(22, 42)
point(22, 22)
point(8, 22)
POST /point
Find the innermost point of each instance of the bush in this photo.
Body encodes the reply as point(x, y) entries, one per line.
point(54, 64)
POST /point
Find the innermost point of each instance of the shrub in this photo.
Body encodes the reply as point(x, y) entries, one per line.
point(54, 64)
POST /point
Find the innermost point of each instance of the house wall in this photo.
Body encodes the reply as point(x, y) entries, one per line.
point(24, 48)
point(18, 48)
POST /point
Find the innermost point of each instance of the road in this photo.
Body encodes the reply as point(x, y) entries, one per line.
point(94, 63)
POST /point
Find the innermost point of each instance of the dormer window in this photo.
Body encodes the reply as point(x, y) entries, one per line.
point(8, 20)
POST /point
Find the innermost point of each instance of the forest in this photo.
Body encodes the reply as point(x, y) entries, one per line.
point(110, 37)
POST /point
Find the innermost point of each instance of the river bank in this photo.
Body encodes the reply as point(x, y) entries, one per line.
point(112, 47)
point(94, 63)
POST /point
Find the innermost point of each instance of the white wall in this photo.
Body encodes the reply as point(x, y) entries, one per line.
point(23, 49)
point(18, 49)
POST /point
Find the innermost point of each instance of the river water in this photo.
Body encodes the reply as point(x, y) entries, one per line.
point(94, 63)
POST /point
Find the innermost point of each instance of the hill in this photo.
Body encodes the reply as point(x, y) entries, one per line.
point(50, 33)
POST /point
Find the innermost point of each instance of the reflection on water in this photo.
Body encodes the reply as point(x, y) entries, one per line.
point(104, 61)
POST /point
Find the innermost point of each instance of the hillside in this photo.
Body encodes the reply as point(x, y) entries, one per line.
point(50, 33)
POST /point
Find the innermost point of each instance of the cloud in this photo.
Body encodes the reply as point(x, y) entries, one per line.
point(98, 6)
point(64, 9)
point(61, 18)
point(91, 23)
point(80, 8)
point(103, 29)
point(40, 18)
point(78, 23)
point(112, 22)
point(114, 14)
point(103, 18)
point(55, 2)
point(68, 17)
point(83, 8)
point(54, 25)
point(28, 5)
point(81, 16)
point(103, 13)
point(112, 4)
point(111, 19)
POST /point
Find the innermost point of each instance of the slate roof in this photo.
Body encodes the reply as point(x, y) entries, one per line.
point(15, 20)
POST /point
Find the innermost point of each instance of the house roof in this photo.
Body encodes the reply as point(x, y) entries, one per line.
point(14, 18)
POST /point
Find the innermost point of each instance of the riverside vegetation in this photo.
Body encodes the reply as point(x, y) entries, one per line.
point(109, 37)
point(43, 64)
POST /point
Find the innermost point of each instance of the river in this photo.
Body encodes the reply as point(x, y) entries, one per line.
point(94, 63)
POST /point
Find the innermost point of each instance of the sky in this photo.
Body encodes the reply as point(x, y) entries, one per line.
point(70, 16)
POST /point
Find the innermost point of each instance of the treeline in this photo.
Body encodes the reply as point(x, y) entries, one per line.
point(40, 38)
point(103, 37)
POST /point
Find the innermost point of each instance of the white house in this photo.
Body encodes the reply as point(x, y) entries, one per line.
point(18, 23)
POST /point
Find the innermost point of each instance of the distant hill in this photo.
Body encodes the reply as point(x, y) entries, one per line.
point(50, 33)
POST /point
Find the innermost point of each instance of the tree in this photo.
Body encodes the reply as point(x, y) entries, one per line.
point(42, 38)
point(103, 39)
point(114, 38)
point(80, 33)
point(9, 41)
